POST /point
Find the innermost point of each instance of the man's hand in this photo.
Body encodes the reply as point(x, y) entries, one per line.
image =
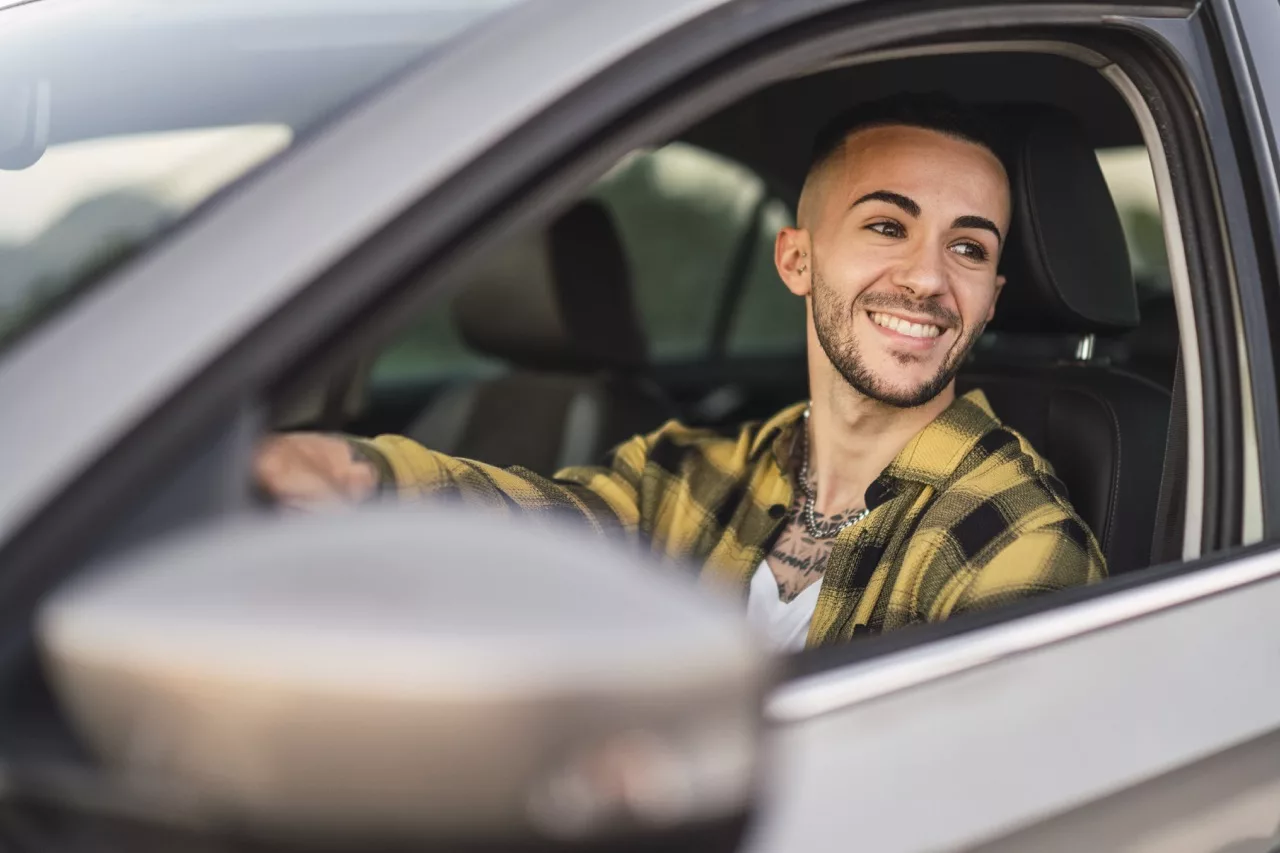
point(310, 469)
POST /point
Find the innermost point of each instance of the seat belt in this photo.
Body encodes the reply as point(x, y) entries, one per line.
point(1166, 541)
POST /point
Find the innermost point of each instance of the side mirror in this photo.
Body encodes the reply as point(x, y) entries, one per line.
point(25, 110)
point(418, 674)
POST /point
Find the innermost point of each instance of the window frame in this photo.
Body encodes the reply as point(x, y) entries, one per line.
point(1238, 25)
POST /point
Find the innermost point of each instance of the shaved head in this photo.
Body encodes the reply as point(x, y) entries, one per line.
point(935, 112)
point(813, 195)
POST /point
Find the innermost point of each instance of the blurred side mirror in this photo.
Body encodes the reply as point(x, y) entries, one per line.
point(417, 674)
point(25, 109)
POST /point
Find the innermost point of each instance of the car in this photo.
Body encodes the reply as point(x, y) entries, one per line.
point(522, 231)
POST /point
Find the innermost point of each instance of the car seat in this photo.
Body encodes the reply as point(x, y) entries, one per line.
point(558, 309)
point(1069, 280)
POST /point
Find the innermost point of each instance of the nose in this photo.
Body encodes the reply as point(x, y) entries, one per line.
point(922, 272)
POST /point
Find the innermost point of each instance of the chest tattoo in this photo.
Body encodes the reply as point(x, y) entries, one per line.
point(797, 559)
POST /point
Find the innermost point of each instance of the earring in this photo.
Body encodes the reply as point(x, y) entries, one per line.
point(802, 269)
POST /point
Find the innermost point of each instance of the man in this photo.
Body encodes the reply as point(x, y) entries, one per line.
point(887, 500)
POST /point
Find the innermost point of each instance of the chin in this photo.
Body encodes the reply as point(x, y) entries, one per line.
point(904, 384)
point(893, 389)
point(906, 398)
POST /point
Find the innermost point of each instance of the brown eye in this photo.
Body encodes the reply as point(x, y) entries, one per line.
point(972, 251)
point(888, 228)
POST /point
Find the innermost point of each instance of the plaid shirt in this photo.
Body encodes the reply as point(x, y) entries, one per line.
point(967, 516)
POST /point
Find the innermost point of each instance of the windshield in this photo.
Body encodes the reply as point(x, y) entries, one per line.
point(118, 118)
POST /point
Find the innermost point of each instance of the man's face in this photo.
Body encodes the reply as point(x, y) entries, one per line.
point(905, 238)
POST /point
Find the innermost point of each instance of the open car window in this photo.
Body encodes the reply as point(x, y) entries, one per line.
point(698, 231)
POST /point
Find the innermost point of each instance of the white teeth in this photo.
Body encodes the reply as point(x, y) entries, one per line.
point(902, 327)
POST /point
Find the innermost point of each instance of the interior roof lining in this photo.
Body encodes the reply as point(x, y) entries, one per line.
point(978, 72)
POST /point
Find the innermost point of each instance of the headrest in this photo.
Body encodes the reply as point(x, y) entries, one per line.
point(1066, 260)
point(558, 300)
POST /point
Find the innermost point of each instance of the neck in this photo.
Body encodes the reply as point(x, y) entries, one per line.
point(853, 438)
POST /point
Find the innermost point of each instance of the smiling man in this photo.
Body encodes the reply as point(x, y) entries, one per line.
point(885, 500)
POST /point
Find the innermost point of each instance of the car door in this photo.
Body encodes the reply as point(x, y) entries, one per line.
point(1000, 731)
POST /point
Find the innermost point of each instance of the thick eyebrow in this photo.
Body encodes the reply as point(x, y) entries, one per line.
point(896, 199)
point(978, 222)
point(909, 206)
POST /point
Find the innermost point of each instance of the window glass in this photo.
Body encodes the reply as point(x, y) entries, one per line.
point(1151, 350)
point(117, 119)
point(431, 351)
point(682, 213)
point(84, 205)
point(1133, 188)
point(770, 319)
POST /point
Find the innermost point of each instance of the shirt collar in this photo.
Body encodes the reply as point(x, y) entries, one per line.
point(930, 458)
point(779, 434)
point(937, 450)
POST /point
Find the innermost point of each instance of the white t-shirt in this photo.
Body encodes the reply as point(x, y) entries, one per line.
point(784, 624)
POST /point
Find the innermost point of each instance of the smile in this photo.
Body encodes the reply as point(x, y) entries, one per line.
point(904, 327)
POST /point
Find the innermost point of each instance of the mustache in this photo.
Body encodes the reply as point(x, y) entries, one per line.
point(900, 302)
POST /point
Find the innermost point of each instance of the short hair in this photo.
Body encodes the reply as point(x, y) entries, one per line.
point(930, 111)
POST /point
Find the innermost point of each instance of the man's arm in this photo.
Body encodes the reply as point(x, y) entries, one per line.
point(310, 469)
point(1051, 557)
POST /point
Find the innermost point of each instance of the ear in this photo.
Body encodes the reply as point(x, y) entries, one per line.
point(793, 256)
point(999, 287)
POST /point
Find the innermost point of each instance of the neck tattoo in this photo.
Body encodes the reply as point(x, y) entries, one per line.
point(811, 525)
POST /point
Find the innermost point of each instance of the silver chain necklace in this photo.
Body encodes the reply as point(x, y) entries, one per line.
point(811, 525)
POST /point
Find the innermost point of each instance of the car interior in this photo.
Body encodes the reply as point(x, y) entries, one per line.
point(654, 296)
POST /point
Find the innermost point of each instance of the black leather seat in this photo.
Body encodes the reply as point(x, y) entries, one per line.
point(558, 309)
point(1070, 285)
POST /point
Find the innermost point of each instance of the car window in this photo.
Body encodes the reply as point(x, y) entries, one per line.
point(684, 214)
point(1133, 188)
point(769, 319)
point(1151, 350)
point(431, 351)
point(690, 222)
point(118, 119)
point(687, 217)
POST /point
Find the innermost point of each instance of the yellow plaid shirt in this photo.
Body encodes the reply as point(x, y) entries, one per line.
point(967, 516)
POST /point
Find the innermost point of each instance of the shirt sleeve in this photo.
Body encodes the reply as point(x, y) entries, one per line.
point(607, 497)
point(1049, 558)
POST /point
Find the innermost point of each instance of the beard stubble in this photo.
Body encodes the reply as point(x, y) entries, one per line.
point(833, 322)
